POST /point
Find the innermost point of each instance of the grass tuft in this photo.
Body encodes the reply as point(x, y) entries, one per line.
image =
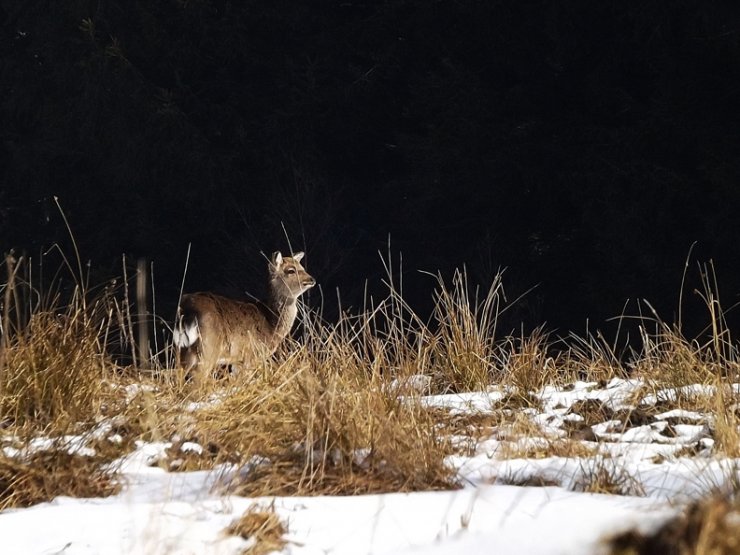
point(262, 528)
point(607, 476)
point(464, 338)
point(527, 365)
point(44, 475)
point(54, 360)
point(320, 424)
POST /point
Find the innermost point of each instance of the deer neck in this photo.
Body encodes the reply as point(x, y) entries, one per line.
point(284, 310)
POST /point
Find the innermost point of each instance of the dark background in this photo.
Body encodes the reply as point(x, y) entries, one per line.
point(583, 145)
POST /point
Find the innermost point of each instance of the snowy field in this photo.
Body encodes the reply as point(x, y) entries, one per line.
point(526, 487)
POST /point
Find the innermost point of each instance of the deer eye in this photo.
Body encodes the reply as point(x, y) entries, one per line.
point(290, 271)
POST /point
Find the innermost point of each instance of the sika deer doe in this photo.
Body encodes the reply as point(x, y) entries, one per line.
point(214, 331)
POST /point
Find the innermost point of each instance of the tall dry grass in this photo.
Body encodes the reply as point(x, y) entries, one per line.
point(56, 380)
point(54, 354)
point(338, 412)
point(341, 412)
point(697, 373)
point(42, 475)
point(463, 341)
point(325, 420)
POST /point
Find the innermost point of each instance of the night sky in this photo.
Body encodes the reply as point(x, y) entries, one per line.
point(584, 146)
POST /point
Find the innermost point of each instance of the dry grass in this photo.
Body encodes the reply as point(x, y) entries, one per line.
point(464, 349)
point(325, 420)
point(671, 360)
point(543, 448)
point(589, 358)
point(713, 527)
point(528, 367)
point(530, 481)
point(524, 439)
point(456, 350)
point(607, 476)
point(469, 424)
point(57, 379)
point(593, 411)
point(726, 422)
point(326, 427)
point(464, 431)
point(262, 527)
point(43, 475)
point(54, 359)
point(710, 526)
point(326, 416)
point(323, 414)
point(516, 400)
point(338, 413)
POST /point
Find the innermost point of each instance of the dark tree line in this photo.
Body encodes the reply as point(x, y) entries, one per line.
point(584, 145)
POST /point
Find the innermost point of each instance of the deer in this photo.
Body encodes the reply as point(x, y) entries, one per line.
point(214, 332)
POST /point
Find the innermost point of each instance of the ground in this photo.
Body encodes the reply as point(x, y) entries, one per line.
point(584, 464)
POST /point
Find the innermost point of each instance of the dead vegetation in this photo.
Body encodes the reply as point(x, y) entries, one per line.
point(531, 480)
point(607, 476)
point(262, 528)
point(326, 428)
point(710, 526)
point(54, 361)
point(40, 476)
point(544, 447)
point(528, 368)
point(341, 412)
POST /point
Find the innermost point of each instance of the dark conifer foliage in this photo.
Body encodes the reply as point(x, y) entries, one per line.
point(584, 145)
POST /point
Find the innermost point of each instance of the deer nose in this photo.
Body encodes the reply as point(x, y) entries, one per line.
point(309, 282)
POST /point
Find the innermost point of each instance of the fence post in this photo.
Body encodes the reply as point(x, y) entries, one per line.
point(141, 311)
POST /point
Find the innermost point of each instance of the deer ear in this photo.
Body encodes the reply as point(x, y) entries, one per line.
point(299, 256)
point(277, 258)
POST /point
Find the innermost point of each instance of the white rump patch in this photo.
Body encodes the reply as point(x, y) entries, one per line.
point(185, 336)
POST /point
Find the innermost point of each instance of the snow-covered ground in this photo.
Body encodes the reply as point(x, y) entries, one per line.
point(179, 513)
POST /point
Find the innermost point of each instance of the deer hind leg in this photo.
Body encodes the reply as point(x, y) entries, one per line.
point(188, 362)
point(186, 336)
point(207, 361)
point(195, 364)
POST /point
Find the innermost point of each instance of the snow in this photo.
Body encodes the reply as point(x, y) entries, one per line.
point(175, 513)
point(462, 403)
point(181, 513)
